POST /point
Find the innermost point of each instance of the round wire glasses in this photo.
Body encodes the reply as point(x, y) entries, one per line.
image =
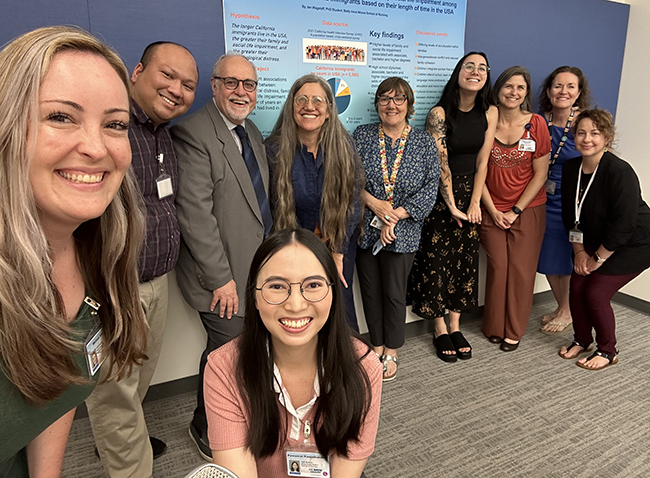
point(276, 291)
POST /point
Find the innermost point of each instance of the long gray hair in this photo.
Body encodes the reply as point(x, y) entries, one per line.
point(342, 168)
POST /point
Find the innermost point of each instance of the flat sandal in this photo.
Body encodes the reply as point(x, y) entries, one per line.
point(612, 358)
point(385, 359)
point(586, 349)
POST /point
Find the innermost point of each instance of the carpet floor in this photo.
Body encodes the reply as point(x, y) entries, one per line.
point(526, 413)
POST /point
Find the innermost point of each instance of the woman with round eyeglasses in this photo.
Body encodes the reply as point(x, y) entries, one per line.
point(297, 380)
point(564, 94)
point(445, 270)
point(514, 197)
point(316, 175)
point(402, 173)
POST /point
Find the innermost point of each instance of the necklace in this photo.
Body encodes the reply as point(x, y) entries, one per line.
point(564, 134)
point(389, 182)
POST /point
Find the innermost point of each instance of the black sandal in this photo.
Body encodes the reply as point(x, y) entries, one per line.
point(460, 342)
point(575, 343)
point(613, 360)
point(444, 344)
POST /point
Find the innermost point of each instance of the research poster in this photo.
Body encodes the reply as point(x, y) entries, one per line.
point(352, 44)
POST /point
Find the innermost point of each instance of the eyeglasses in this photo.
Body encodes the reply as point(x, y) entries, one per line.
point(471, 67)
point(232, 83)
point(316, 101)
point(277, 291)
point(384, 100)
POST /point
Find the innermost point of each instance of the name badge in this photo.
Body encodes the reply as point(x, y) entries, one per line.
point(549, 186)
point(164, 185)
point(575, 236)
point(376, 222)
point(94, 346)
point(527, 145)
point(308, 463)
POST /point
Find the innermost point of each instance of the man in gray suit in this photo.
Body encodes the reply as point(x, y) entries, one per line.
point(223, 209)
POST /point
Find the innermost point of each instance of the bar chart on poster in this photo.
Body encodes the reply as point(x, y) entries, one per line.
point(352, 44)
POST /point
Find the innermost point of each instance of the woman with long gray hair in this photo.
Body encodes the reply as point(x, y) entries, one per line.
point(316, 175)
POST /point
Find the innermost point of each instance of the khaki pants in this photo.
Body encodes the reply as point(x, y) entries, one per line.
point(115, 407)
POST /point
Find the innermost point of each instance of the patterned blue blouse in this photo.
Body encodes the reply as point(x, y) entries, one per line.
point(416, 185)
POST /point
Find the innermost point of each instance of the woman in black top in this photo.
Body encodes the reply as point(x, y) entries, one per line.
point(609, 228)
point(445, 270)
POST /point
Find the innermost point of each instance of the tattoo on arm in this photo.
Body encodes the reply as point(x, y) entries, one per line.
point(437, 128)
point(435, 125)
point(445, 177)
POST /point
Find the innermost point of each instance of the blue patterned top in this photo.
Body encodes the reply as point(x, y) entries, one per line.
point(416, 185)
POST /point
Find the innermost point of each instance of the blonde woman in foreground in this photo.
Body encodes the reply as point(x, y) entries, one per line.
point(70, 233)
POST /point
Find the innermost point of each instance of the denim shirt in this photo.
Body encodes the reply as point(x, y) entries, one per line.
point(307, 177)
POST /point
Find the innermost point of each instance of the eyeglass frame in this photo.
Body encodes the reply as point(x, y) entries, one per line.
point(471, 66)
point(310, 100)
point(302, 291)
point(228, 78)
point(389, 98)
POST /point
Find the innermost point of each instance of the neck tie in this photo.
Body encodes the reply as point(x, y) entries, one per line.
point(256, 178)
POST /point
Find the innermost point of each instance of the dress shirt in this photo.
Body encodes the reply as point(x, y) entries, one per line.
point(160, 251)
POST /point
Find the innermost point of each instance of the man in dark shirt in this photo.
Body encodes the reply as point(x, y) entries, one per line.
point(163, 86)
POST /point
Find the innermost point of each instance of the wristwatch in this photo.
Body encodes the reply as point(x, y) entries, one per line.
point(516, 210)
point(598, 259)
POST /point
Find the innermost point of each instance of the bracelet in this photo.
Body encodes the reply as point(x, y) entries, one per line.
point(582, 250)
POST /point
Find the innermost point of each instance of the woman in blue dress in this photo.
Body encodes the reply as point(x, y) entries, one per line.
point(564, 94)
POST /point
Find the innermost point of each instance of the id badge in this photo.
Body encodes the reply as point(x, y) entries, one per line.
point(376, 222)
point(94, 347)
point(527, 145)
point(549, 186)
point(377, 247)
point(575, 236)
point(164, 185)
point(306, 461)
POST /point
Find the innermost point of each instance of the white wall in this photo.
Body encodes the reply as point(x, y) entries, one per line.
point(633, 113)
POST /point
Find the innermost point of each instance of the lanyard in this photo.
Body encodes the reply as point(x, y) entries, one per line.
point(389, 183)
point(580, 202)
point(161, 163)
point(564, 134)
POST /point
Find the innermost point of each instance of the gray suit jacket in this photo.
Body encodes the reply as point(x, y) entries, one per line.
point(219, 217)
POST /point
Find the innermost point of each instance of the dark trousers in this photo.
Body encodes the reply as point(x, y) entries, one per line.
point(383, 279)
point(589, 299)
point(348, 272)
point(220, 331)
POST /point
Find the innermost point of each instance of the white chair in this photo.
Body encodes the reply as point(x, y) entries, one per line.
point(210, 470)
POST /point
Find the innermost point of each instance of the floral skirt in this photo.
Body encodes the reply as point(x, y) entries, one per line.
point(445, 268)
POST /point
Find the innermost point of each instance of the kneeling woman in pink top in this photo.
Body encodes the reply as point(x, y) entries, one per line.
point(296, 386)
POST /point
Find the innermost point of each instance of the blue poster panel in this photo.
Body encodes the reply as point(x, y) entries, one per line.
point(352, 44)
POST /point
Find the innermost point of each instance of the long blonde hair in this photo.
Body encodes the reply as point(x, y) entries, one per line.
point(343, 171)
point(36, 344)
